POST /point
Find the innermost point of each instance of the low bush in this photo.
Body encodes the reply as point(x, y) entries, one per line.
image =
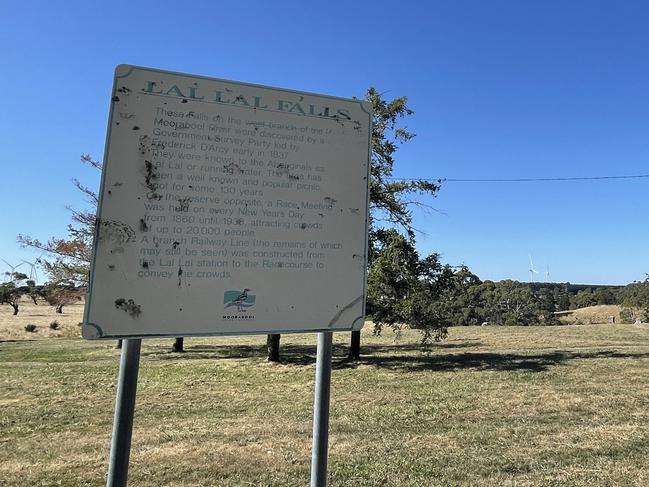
point(627, 316)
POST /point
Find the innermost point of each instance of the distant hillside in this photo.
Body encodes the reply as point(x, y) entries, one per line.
point(592, 315)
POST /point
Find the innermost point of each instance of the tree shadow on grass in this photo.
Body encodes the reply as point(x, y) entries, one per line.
point(406, 357)
point(291, 354)
point(494, 361)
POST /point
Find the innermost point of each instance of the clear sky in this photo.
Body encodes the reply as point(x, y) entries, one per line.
point(501, 89)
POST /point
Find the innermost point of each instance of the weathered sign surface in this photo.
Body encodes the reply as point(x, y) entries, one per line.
point(228, 208)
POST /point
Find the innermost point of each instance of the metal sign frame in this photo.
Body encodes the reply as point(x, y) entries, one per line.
point(332, 299)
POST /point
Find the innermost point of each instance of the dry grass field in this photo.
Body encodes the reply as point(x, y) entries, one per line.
point(41, 315)
point(592, 315)
point(490, 406)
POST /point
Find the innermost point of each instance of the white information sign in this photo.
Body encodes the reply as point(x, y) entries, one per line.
point(228, 208)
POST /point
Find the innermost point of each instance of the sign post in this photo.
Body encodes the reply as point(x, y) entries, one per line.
point(321, 396)
point(120, 447)
point(227, 208)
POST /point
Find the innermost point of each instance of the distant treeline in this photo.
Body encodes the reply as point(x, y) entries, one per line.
point(471, 301)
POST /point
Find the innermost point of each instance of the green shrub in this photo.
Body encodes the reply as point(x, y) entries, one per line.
point(31, 328)
point(54, 325)
point(627, 316)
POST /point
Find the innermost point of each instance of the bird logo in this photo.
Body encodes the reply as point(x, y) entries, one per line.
point(241, 299)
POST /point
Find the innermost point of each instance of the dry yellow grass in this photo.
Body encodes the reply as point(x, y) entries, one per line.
point(491, 406)
point(592, 315)
point(41, 315)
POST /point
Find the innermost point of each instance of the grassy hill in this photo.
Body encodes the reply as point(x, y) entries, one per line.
point(591, 315)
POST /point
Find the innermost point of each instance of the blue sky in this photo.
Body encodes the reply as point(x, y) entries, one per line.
point(501, 89)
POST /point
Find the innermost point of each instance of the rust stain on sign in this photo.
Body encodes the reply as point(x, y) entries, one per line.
point(183, 205)
point(144, 227)
point(330, 201)
point(118, 232)
point(134, 310)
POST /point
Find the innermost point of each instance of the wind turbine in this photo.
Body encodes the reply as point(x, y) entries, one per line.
point(532, 270)
point(547, 274)
point(33, 274)
point(12, 267)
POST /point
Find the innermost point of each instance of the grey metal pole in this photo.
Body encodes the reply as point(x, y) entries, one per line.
point(321, 410)
point(120, 447)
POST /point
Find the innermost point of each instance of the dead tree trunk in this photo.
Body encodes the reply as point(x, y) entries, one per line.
point(272, 343)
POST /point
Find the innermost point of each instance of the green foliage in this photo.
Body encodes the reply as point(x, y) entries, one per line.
point(636, 300)
point(401, 285)
point(561, 298)
point(10, 291)
point(628, 316)
point(548, 306)
point(469, 301)
point(605, 296)
point(390, 199)
point(54, 325)
point(6, 290)
point(457, 301)
point(583, 299)
point(30, 328)
point(18, 277)
point(59, 296)
point(403, 289)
